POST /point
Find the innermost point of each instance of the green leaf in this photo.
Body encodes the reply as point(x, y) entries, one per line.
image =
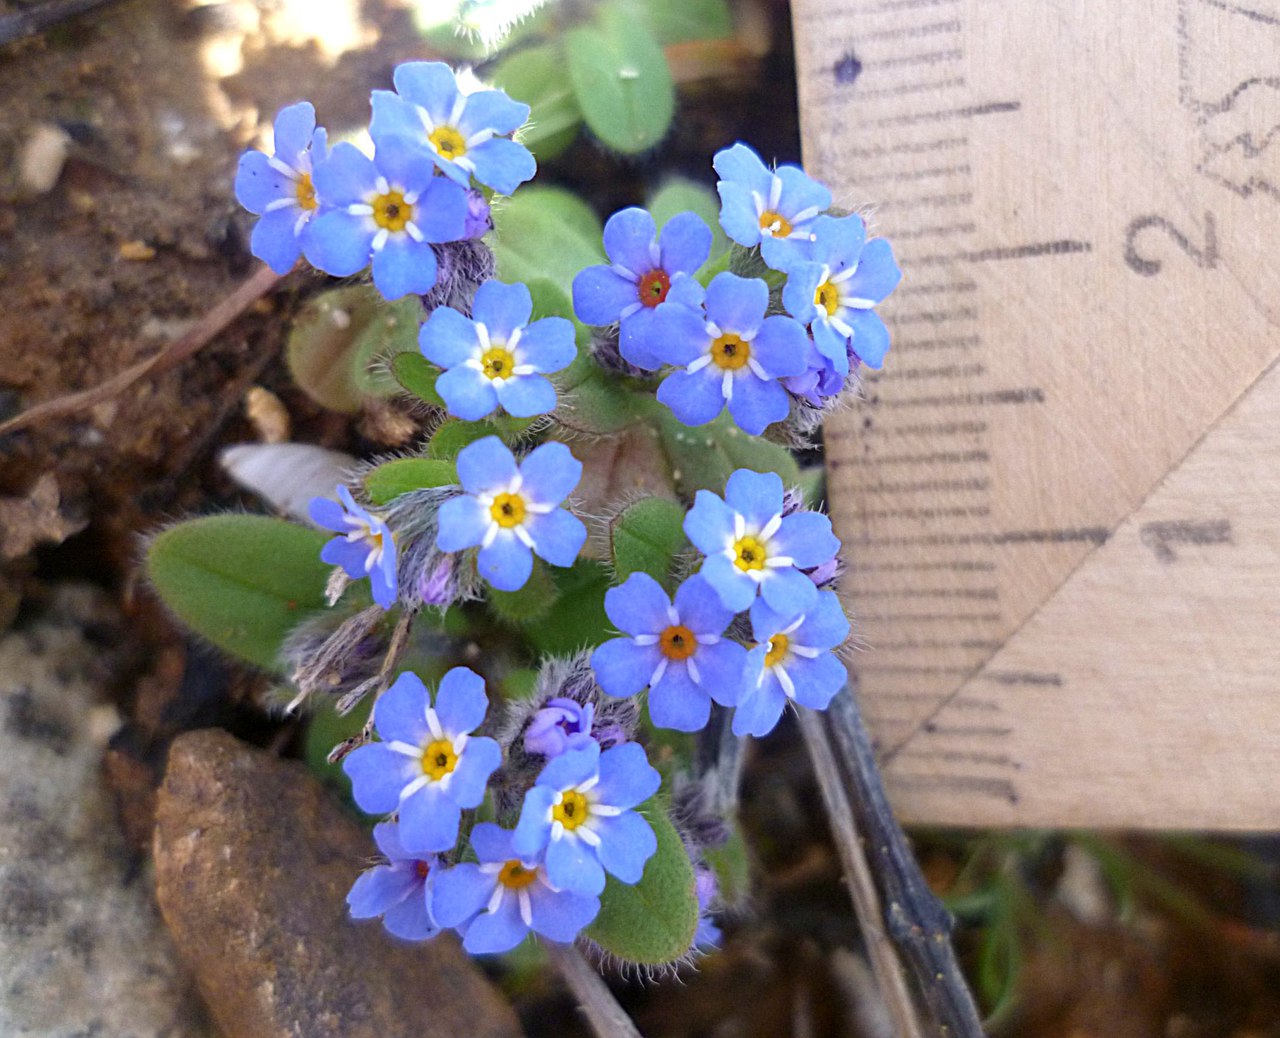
point(646, 536)
point(471, 32)
point(680, 21)
point(550, 300)
point(652, 922)
point(393, 478)
point(546, 232)
point(453, 435)
point(621, 79)
point(531, 602)
point(536, 77)
point(337, 338)
point(680, 195)
point(578, 620)
point(705, 457)
point(732, 866)
point(596, 403)
point(242, 581)
point(417, 375)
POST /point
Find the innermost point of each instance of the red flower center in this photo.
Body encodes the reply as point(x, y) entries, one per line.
point(654, 287)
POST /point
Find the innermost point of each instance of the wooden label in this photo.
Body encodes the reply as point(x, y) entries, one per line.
point(1061, 498)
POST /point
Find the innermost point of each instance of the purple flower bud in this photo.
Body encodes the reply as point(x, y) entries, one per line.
point(826, 575)
point(563, 724)
point(706, 887)
point(435, 585)
point(478, 221)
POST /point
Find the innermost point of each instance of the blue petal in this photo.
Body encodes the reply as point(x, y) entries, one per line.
point(756, 405)
point(800, 291)
point(738, 214)
point(326, 512)
point(527, 395)
point(676, 702)
point(825, 625)
point(686, 243)
point(380, 887)
point(557, 536)
point(492, 842)
point(560, 915)
point(337, 243)
point(550, 473)
point(346, 176)
point(492, 110)
point(347, 554)
point(480, 758)
point(274, 240)
point(405, 162)
point(877, 273)
point(404, 267)
point(429, 820)
point(387, 836)
point(832, 345)
point(461, 702)
point(789, 592)
point(502, 308)
point(502, 164)
point(377, 775)
point(447, 337)
point(816, 680)
point(627, 237)
point(441, 212)
point(627, 842)
point(737, 304)
point(463, 522)
point(635, 334)
point(548, 344)
point(485, 464)
point(679, 333)
point(638, 606)
point(499, 931)
point(736, 590)
point(781, 346)
point(572, 865)
point(807, 538)
point(759, 710)
point(410, 919)
point(533, 831)
point(700, 608)
point(694, 399)
point(506, 563)
point(720, 671)
point(600, 295)
point(401, 714)
point(870, 337)
point(622, 667)
point(393, 116)
point(800, 193)
point(293, 128)
point(430, 84)
point(626, 776)
point(571, 768)
point(709, 523)
point(467, 393)
point(837, 241)
point(258, 184)
point(757, 496)
point(461, 892)
point(784, 254)
point(738, 163)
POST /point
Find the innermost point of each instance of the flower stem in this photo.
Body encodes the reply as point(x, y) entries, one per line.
point(606, 1017)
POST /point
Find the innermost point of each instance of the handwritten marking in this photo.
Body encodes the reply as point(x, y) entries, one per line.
point(1044, 248)
point(1020, 677)
point(1205, 258)
point(1028, 395)
point(847, 69)
point(947, 114)
point(1001, 789)
point(1160, 536)
point(914, 32)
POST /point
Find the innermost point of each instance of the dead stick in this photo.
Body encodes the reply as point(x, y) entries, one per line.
point(183, 347)
point(606, 1017)
point(862, 888)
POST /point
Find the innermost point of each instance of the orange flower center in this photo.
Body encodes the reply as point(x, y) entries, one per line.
point(677, 643)
point(775, 225)
point(777, 651)
point(515, 876)
point(305, 192)
point(654, 287)
point(729, 352)
point(391, 211)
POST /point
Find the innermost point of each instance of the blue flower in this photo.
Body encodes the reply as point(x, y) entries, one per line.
point(750, 545)
point(642, 271)
point(792, 661)
point(496, 356)
point(774, 209)
point(391, 208)
point(580, 811)
point(279, 188)
point(562, 724)
point(428, 766)
point(730, 352)
point(678, 651)
point(367, 548)
point(465, 134)
point(399, 891)
point(819, 381)
point(834, 289)
point(511, 512)
point(496, 902)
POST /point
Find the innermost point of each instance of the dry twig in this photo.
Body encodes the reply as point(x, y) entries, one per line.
point(606, 1017)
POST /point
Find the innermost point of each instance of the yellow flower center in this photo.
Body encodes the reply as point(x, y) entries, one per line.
point(654, 287)
point(572, 810)
point(391, 211)
point(507, 510)
point(777, 651)
point(515, 876)
point(748, 554)
point(448, 142)
point(305, 192)
point(827, 297)
point(497, 362)
point(729, 352)
point(677, 642)
point(775, 225)
point(439, 759)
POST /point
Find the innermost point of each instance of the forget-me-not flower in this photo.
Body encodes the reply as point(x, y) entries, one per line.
point(730, 353)
point(791, 662)
point(389, 208)
point(562, 724)
point(751, 546)
point(638, 277)
point(494, 903)
point(772, 208)
point(428, 765)
point(677, 650)
point(496, 356)
point(834, 289)
point(279, 188)
point(512, 512)
point(581, 811)
point(398, 891)
point(367, 547)
point(465, 134)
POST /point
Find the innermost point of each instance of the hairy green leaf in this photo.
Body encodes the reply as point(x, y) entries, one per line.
point(546, 232)
point(679, 195)
point(705, 457)
point(417, 375)
point(454, 434)
point(578, 620)
point(393, 478)
point(646, 536)
point(536, 77)
point(680, 21)
point(530, 603)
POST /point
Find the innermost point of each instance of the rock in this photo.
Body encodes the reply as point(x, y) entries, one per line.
point(82, 948)
point(254, 859)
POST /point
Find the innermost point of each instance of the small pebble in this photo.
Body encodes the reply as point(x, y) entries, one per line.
point(137, 251)
point(43, 156)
